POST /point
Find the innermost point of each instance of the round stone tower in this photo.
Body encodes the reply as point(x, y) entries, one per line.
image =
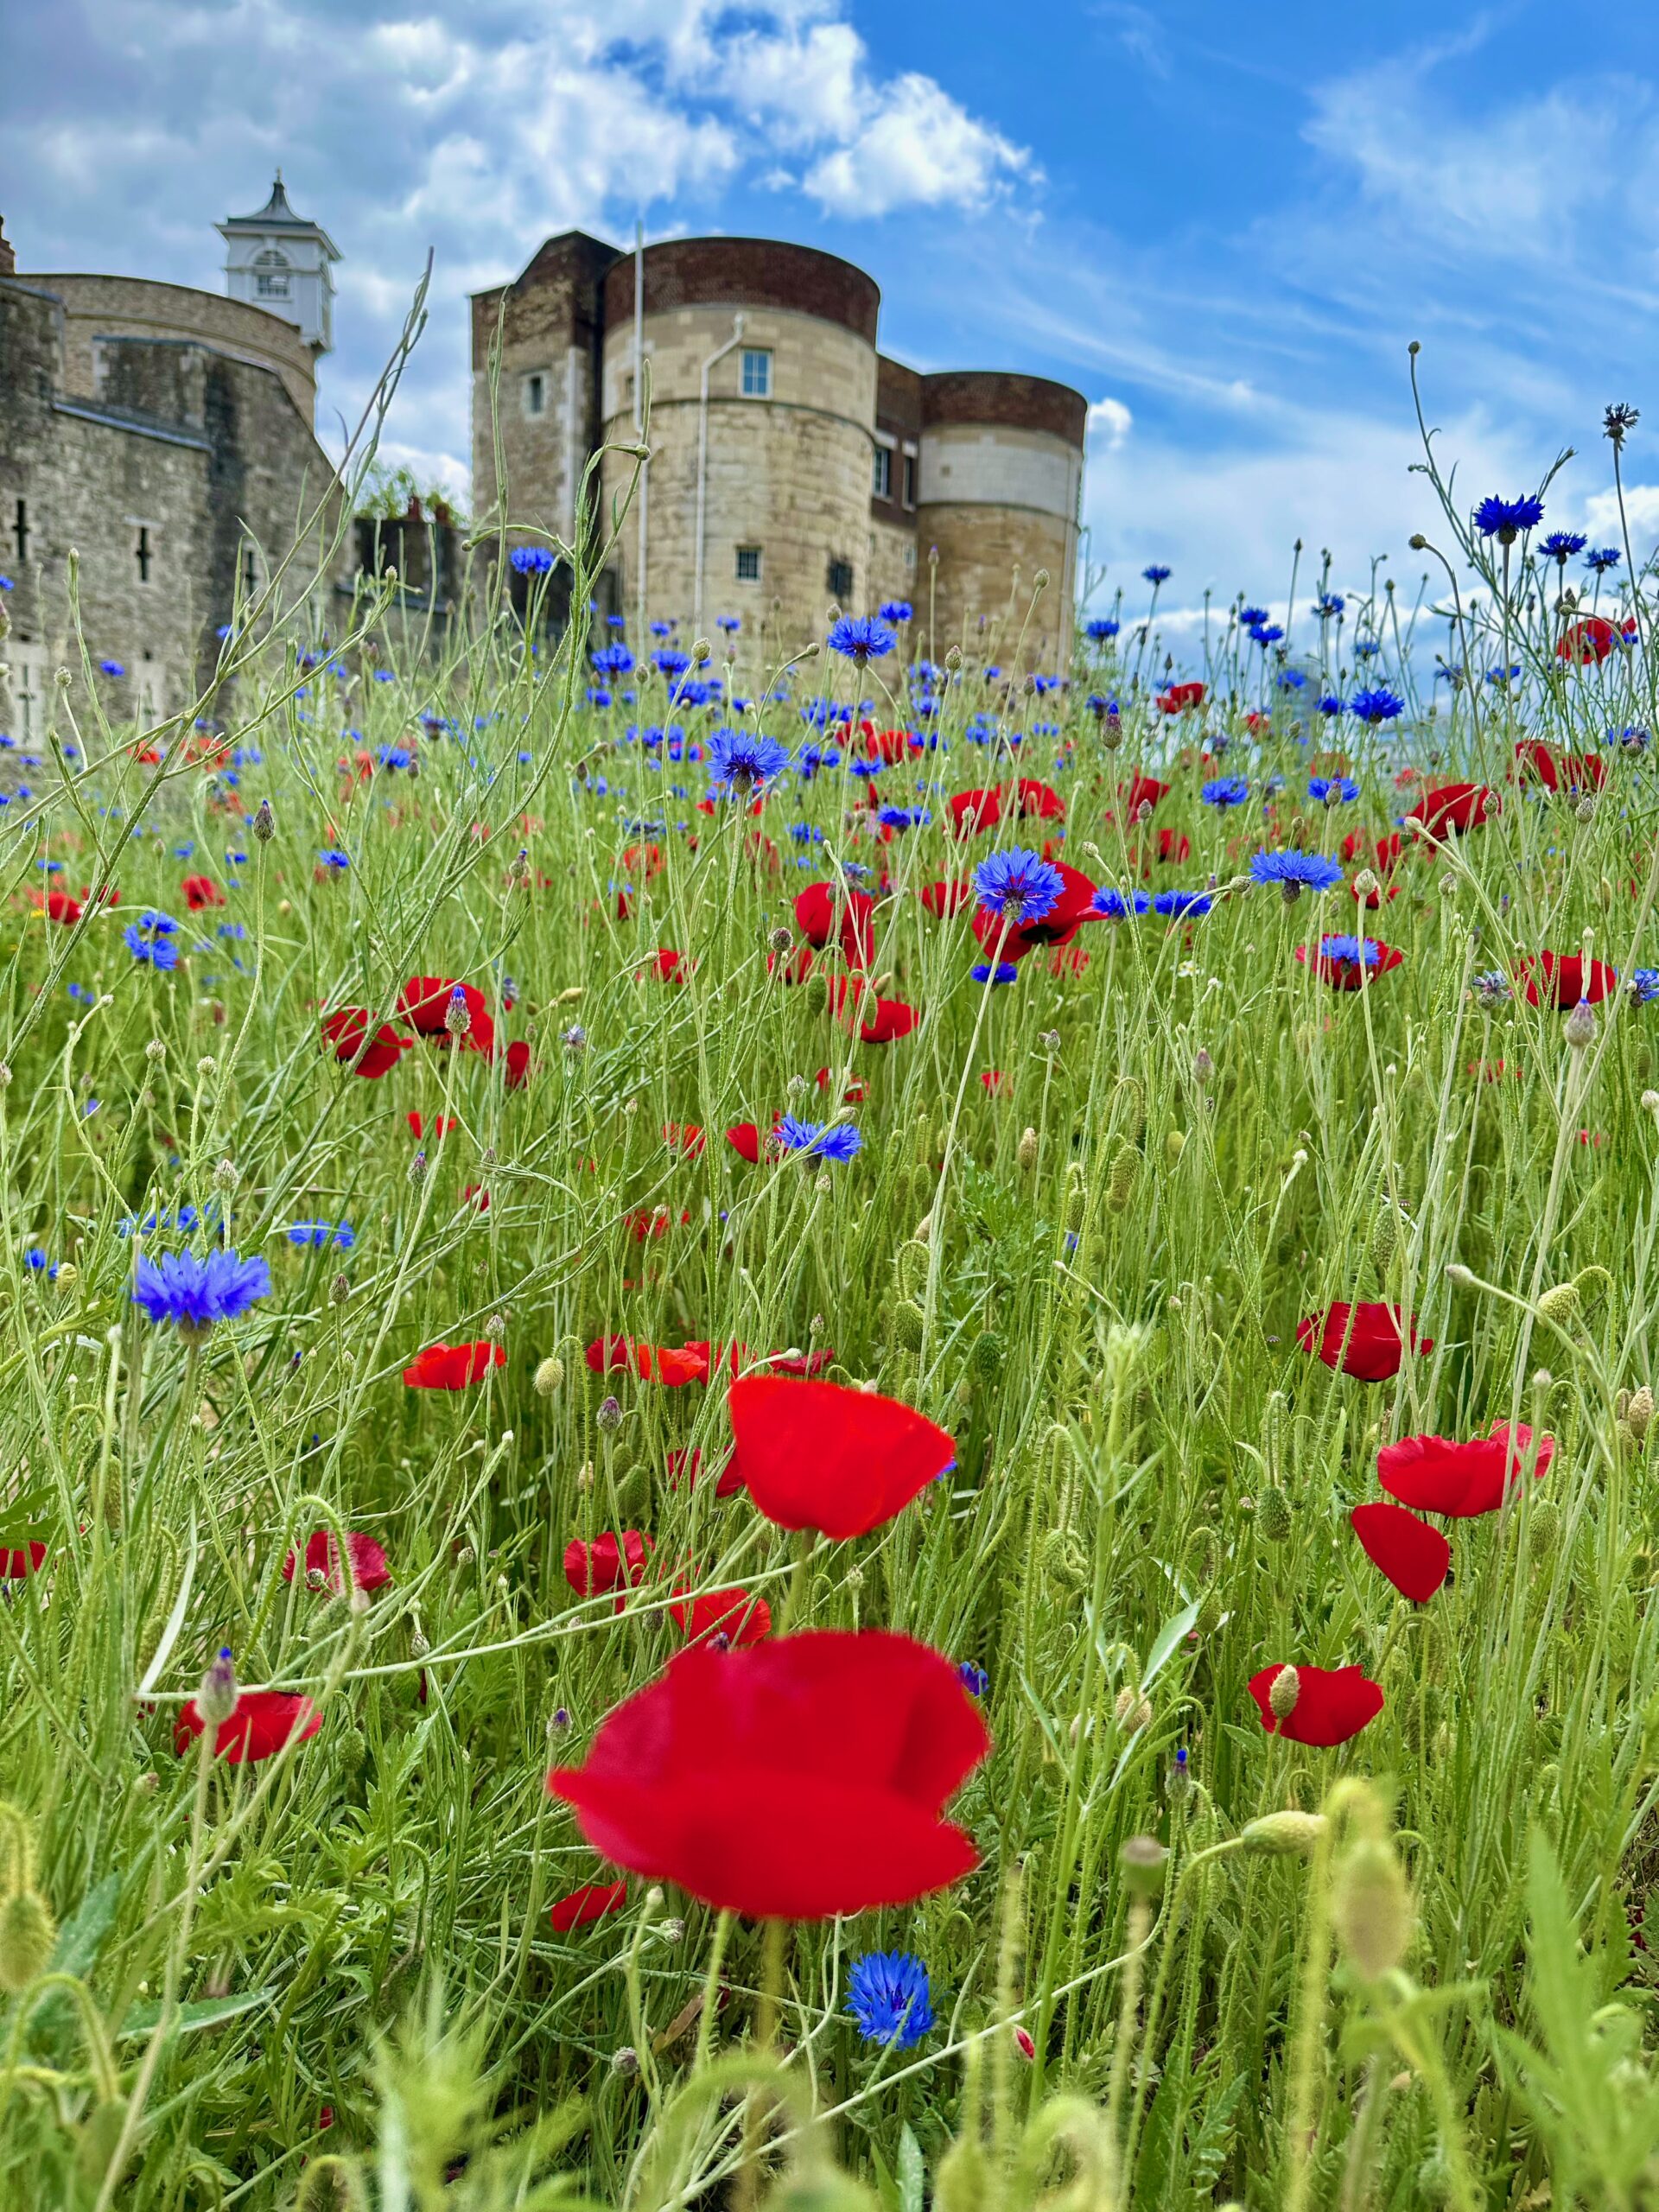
point(1001, 476)
point(762, 368)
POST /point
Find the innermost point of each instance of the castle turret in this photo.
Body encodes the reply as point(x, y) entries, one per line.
point(278, 261)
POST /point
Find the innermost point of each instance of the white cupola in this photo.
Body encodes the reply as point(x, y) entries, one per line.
point(277, 261)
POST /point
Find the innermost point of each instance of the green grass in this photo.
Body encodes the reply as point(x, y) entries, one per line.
point(1092, 1277)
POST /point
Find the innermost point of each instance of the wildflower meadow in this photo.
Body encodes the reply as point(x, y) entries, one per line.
point(840, 1428)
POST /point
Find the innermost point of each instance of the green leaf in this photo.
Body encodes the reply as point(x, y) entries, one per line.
point(82, 1936)
point(911, 2173)
point(1167, 1641)
point(141, 2021)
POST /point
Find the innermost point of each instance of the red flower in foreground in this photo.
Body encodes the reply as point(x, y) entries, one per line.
point(824, 910)
point(1363, 1340)
point(818, 1455)
point(731, 1618)
point(1415, 1558)
point(364, 1557)
point(946, 898)
point(1039, 799)
point(201, 891)
point(1331, 1704)
point(670, 967)
point(452, 1367)
point(1586, 642)
point(605, 1564)
point(425, 1003)
point(971, 811)
point(887, 1020)
point(1453, 808)
point(1181, 699)
point(1561, 979)
point(1437, 1474)
point(744, 1138)
point(442, 1124)
point(1346, 973)
point(26, 1560)
point(264, 1720)
point(348, 1030)
point(797, 1781)
point(591, 1901)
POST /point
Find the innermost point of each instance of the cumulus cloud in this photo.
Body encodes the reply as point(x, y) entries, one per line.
point(1109, 423)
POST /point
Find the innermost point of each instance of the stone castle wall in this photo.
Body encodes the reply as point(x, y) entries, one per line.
point(95, 308)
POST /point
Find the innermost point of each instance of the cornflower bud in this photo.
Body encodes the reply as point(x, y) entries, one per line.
point(1579, 1028)
point(265, 822)
point(609, 1416)
point(216, 1700)
point(457, 1015)
point(1025, 1150)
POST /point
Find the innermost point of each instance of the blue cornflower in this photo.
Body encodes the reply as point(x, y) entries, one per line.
point(1252, 618)
point(897, 610)
point(233, 929)
point(321, 1233)
point(1376, 705)
point(1643, 985)
point(1182, 902)
point(1295, 873)
point(613, 660)
point(1505, 519)
point(1117, 907)
point(738, 760)
point(149, 940)
point(1633, 739)
point(37, 1263)
point(1019, 884)
point(824, 1140)
point(670, 662)
point(887, 1996)
point(1291, 679)
point(1329, 605)
point(1332, 790)
point(860, 638)
point(903, 817)
point(1561, 545)
point(181, 1222)
point(112, 668)
point(395, 756)
point(1223, 791)
point(195, 1292)
point(1603, 557)
point(530, 560)
point(384, 676)
point(661, 629)
point(1155, 573)
point(597, 695)
point(806, 833)
point(1004, 972)
point(6, 584)
point(1267, 633)
point(974, 1680)
point(1491, 988)
point(331, 856)
point(1355, 951)
point(1329, 703)
point(1101, 628)
point(729, 623)
point(869, 770)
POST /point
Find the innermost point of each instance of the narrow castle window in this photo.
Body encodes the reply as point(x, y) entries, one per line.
point(271, 275)
point(536, 393)
point(838, 576)
point(250, 573)
point(141, 553)
point(749, 565)
point(909, 480)
point(20, 530)
point(757, 372)
point(881, 484)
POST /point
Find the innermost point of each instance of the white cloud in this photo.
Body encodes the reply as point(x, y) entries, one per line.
point(1109, 423)
point(1601, 517)
point(916, 147)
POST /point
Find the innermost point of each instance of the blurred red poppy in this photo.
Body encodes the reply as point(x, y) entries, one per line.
point(26, 1560)
point(1332, 1704)
point(1038, 800)
point(591, 1901)
point(263, 1721)
point(1181, 699)
point(1437, 1474)
point(744, 1138)
point(452, 1367)
point(732, 1615)
point(669, 966)
point(685, 1136)
point(348, 1030)
point(818, 1455)
point(887, 1020)
point(800, 1780)
point(945, 897)
point(1586, 642)
point(1363, 1340)
point(1415, 1558)
point(201, 891)
point(852, 1090)
point(1453, 808)
point(605, 1564)
point(1382, 854)
point(442, 1124)
point(971, 811)
point(364, 1557)
point(824, 910)
point(58, 906)
point(1581, 771)
point(516, 1064)
point(1561, 979)
point(1141, 789)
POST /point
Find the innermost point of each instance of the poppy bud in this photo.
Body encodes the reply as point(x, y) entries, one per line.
point(1203, 1068)
point(216, 1700)
point(1559, 1304)
point(1579, 1027)
point(1544, 1516)
point(1287, 1688)
point(1174, 1145)
point(1371, 1907)
point(1284, 1835)
point(27, 1937)
point(1639, 1414)
point(909, 1324)
point(264, 823)
point(1026, 1151)
point(1133, 1711)
point(1120, 1188)
point(550, 1378)
point(625, 2060)
point(985, 1357)
point(1273, 1515)
point(1142, 1861)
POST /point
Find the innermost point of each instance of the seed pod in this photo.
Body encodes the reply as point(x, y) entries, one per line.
point(27, 1937)
point(1639, 1414)
point(1025, 1150)
point(1133, 1711)
point(1559, 1304)
point(1119, 1187)
point(910, 1266)
point(1385, 1239)
point(1273, 1515)
point(1370, 1906)
point(1142, 1861)
point(550, 1378)
point(1284, 1835)
point(909, 1324)
point(1075, 1196)
point(1286, 1689)
point(985, 1357)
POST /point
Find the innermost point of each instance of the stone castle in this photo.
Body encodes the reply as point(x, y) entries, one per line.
point(166, 436)
point(793, 465)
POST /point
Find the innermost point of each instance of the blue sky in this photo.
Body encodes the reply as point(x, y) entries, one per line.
point(1221, 225)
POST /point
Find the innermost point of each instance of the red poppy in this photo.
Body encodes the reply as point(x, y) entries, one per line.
point(1566, 977)
point(1332, 1704)
point(591, 1901)
point(516, 1064)
point(1346, 975)
point(1171, 849)
point(1382, 854)
point(442, 1124)
point(1141, 789)
point(58, 906)
point(425, 1003)
point(591, 1569)
point(1181, 699)
point(452, 1367)
point(817, 910)
point(818, 1455)
point(744, 1138)
point(947, 897)
point(798, 1781)
point(731, 1617)
point(684, 1466)
point(348, 1030)
point(852, 1090)
point(1587, 641)
point(1415, 1558)
point(605, 1353)
point(476, 1196)
point(887, 1020)
point(1437, 1474)
point(1578, 771)
point(994, 1080)
point(201, 891)
point(1067, 960)
point(17, 1564)
point(684, 1137)
point(364, 1557)
point(263, 1721)
point(1454, 807)
point(1038, 800)
point(670, 967)
point(1363, 1340)
point(971, 811)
